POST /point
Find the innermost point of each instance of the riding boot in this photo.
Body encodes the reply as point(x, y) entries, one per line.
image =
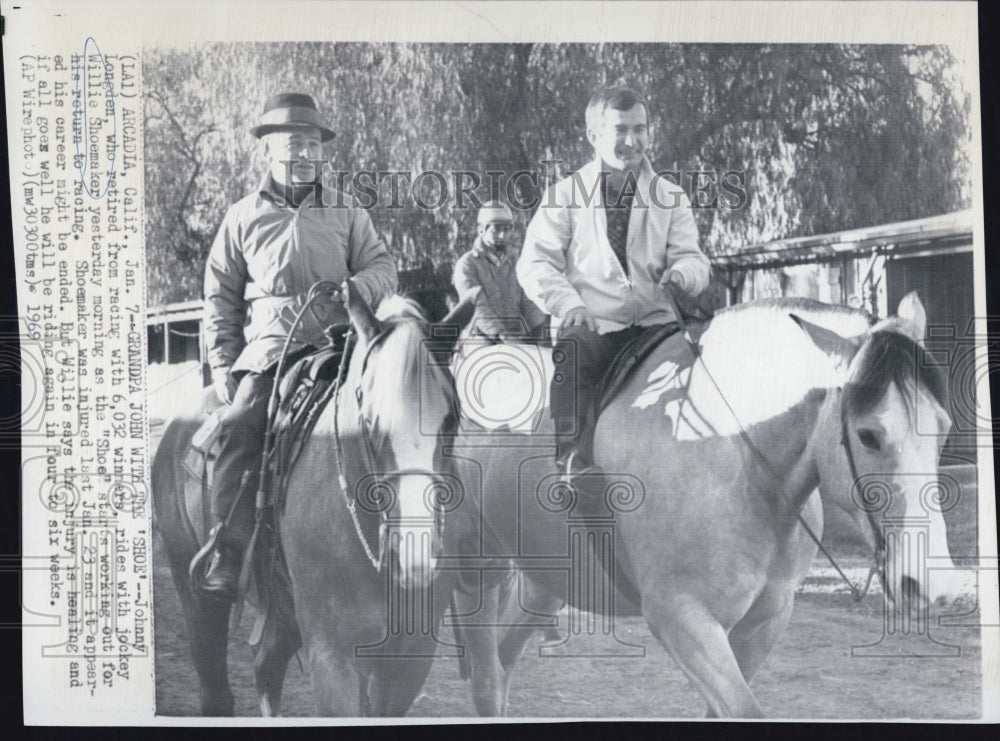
point(569, 430)
point(235, 481)
point(223, 572)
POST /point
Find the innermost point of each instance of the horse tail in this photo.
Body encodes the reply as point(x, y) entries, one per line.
point(167, 480)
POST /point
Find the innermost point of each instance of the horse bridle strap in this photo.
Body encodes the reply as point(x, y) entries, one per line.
point(350, 496)
point(845, 441)
point(349, 491)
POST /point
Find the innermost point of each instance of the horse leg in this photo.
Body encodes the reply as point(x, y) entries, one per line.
point(480, 640)
point(394, 684)
point(515, 603)
point(336, 683)
point(270, 661)
point(755, 635)
point(700, 646)
point(207, 623)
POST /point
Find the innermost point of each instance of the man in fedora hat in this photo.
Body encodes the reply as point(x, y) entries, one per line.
point(273, 245)
point(502, 312)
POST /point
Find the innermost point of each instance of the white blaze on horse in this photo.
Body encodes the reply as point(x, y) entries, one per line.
point(717, 459)
point(356, 530)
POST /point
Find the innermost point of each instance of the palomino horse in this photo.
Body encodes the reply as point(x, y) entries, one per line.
point(712, 462)
point(366, 616)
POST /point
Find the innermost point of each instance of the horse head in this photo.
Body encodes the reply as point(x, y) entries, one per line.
point(878, 445)
point(400, 401)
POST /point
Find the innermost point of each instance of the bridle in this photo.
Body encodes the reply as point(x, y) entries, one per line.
point(879, 533)
point(379, 479)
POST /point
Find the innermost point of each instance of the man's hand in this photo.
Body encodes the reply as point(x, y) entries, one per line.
point(674, 280)
point(225, 385)
point(579, 315)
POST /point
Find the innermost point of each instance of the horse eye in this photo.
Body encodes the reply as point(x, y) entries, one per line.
point(868, 439)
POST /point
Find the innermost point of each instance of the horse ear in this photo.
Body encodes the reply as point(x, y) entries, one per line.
point(460, 315)
point(840, 349)
point(450, 327)
point(361, 314)
point(912, 310)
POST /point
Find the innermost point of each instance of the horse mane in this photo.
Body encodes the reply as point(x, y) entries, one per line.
point(891, 357)
point(406, 394)
point(398, 306)
point(796, 304)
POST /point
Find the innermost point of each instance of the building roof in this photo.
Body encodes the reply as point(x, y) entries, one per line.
point(179, 312)
point(933, 235)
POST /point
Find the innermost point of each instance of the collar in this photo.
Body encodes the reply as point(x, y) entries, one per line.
point(274, 193)
point(591, 173)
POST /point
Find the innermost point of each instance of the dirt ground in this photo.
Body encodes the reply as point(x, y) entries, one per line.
point(810, 674)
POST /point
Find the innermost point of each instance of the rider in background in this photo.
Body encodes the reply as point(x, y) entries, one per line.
point(272, 247)
point(503, 313)
point(601, 252)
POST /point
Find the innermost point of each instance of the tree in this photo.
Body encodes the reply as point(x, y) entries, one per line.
point(825, 137)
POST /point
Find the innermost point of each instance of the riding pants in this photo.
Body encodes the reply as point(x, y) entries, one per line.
point(242, 443)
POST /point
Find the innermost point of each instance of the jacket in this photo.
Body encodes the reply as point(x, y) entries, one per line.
point(567, 261)
point(502, 309)
point(264, 260)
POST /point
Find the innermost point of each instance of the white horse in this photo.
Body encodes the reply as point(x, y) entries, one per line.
point(714, 465)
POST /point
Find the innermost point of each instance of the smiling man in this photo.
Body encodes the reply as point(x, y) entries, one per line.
point(273, 245)
point(600, 254)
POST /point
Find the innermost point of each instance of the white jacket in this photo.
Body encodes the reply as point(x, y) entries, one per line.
point(567, 261)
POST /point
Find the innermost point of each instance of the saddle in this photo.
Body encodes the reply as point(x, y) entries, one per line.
point(303, 393)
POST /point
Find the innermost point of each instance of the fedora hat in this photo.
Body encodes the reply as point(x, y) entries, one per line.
point(289, 111)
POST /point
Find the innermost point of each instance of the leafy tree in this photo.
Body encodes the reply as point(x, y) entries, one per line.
point(828, 137)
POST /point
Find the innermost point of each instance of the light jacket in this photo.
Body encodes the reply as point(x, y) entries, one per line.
point(567, 261)
point(502, 310)
point(264, 260)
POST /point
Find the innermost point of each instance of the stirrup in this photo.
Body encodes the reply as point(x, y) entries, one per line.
point(568, 473)
point(199, 564)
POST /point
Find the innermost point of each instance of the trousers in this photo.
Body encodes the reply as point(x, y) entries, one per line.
point(241, 446)
point(580, 358)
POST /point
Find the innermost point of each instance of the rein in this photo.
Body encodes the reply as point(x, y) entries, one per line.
point(350, 496)
point(859, 593)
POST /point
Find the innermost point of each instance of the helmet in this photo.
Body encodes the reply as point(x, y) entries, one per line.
point(495, 212)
